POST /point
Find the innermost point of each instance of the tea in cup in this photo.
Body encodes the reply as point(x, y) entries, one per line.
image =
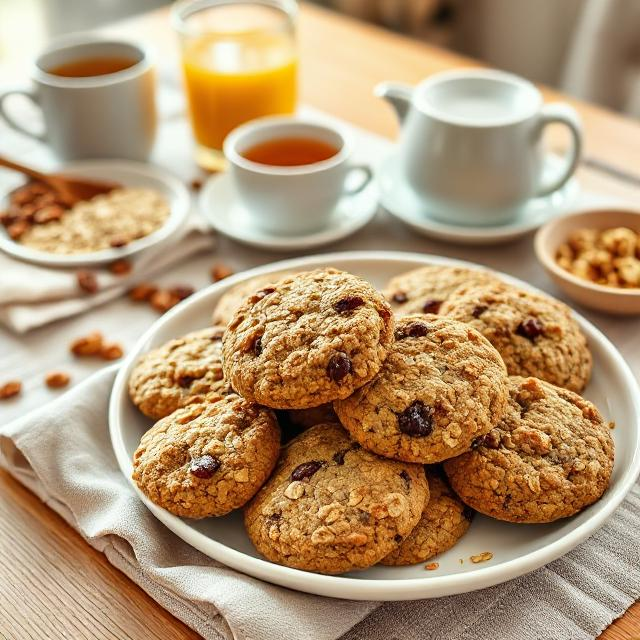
point(97, 98)
point(290, 173)
point(470, 144)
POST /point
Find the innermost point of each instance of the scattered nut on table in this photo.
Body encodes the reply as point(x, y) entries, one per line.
point(609, 257)
point(57, 379)
point(87, 281)
point(142, 292)
point(10, 389)
point(89, 345)
point(111, 351)
point(120, 267)
point(220, 271)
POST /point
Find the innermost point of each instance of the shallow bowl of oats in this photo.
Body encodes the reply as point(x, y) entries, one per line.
point(594, 257)
point(149, 206)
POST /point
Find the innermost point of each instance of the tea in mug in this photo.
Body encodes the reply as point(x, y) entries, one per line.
point(88, 67)
point(290, 152)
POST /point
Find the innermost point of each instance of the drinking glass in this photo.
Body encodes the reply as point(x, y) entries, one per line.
point(239, 61)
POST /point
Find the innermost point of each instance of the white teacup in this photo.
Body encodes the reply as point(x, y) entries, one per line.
point(470, 144)
point(291, 200)
point(101, 116)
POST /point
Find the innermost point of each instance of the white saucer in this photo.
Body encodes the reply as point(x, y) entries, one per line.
point(400, 201)
point(129, 174)
point(220, 206)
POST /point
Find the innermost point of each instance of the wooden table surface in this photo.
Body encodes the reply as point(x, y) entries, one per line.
point(53, 584)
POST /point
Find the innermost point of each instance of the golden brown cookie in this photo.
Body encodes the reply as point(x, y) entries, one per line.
point(444, 521)
point(233, 297)
point(423, 290)
point(207, 459)
point(180, 372)
point(535, 334)
point(307, 340)
point(549, 457)
point(331, 506)
point(441, 386)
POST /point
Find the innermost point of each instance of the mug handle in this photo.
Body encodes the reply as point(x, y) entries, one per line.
point(562, 113)
point(10, 120)
point(367, 176)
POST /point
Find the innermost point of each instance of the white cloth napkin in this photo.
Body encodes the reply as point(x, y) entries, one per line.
point(32, 296)
point(62, 452)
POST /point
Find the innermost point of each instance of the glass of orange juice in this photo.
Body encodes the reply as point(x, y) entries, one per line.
point(239, 62)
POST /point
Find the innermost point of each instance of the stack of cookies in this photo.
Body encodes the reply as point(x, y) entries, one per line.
point(403, 413)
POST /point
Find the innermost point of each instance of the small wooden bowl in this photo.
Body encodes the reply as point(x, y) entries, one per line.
point(595, 296)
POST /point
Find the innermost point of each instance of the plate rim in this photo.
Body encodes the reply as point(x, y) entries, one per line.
point(364, 588)
point(178, 214)
point(285, 243)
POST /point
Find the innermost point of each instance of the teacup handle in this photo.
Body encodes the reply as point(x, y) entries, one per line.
point(562, 113)
point(10, 120)
point(367, 176)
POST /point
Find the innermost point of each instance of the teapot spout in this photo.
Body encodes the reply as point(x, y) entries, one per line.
point(397, 95)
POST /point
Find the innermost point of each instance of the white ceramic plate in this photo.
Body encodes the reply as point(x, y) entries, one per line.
point(516, 549)
point(129, 174)
point(400, 201)
point(219, 204)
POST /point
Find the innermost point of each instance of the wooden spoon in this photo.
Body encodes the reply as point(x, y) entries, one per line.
point(70, 190)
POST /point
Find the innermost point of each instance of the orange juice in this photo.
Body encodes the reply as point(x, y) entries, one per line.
point(236, 77)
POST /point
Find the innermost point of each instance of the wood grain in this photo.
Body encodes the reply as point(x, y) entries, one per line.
point(54, 585)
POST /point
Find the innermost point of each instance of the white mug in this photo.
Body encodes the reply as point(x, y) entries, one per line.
point(291, 200)
point(470, 144)
point(104, 116)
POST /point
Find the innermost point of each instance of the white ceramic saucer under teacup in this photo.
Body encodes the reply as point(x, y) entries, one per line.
point(397, 197)
point(223, 210)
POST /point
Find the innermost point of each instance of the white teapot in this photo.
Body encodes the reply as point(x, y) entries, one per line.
point(470, 143)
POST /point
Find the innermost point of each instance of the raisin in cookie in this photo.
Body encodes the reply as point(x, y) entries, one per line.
point(331, 506)
point(180, 372)
point(207, 459)
point(444, 521)
point(309, 339)
point(423, 290)
point(441, 386)
point(535, 334)
point(548, 458)
point(233, 297)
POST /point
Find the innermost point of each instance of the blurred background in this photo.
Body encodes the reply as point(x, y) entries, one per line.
point(587, 48)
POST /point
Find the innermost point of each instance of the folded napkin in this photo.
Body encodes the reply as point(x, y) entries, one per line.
point(32, 296)
point(62, 452)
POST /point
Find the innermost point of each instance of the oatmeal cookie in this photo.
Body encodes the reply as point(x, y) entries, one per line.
point(232, 298)
point(535, 334)
point(309, 339)
point(441, 386)
point(180, 372)
point(549, 457)
point(444, 521)
point(423, 290)
point(331, 506)
point(207, 459)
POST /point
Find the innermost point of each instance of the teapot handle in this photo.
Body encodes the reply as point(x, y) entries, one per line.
point(398, 95)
